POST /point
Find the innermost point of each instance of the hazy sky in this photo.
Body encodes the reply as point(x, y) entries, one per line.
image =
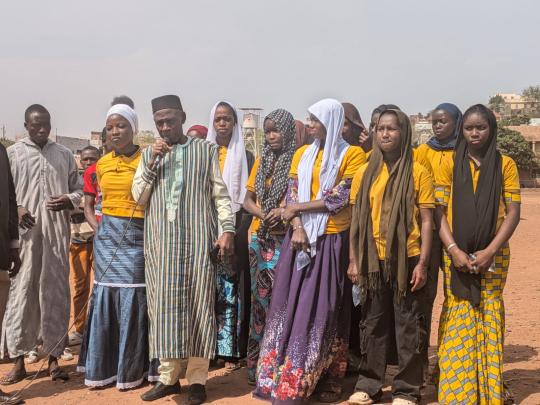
point(74, 56)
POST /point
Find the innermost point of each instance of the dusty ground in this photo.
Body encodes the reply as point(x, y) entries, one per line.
point(522, 368)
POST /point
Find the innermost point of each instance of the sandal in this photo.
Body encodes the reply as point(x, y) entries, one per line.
point(360, 398)
point(329, 397)
point(328, 390)
point(10, 379)
point(508, 396)
point(58, 374)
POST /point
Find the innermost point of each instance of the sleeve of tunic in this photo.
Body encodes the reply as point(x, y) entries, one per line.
point(221, 198)
point(143, 182)
point(13, 164)
point(13, 218)
point(75, 183)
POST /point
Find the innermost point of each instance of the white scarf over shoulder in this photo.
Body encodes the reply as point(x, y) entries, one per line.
point(235, 172)
point(330, 113)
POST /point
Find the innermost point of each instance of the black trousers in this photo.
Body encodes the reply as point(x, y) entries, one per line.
point(383, 319)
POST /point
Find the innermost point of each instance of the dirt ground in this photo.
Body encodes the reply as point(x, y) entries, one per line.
point(522, 360)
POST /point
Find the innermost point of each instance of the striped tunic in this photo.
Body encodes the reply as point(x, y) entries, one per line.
point(186, 203)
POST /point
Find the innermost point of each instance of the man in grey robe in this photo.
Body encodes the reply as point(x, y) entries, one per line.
point(47, 186)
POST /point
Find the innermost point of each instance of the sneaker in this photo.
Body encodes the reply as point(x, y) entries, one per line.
point(32, 357)
point(403, 401)
point(75, 339)
point(67, 355)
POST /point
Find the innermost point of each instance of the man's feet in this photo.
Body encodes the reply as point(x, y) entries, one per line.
point(54, 370)
point(196, 394)
point(8, 399)
point(161, 390)
point(17, 373)
point(74, 339)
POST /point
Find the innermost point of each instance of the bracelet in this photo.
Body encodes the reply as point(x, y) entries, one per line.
point(450, 246)
point(297, 227)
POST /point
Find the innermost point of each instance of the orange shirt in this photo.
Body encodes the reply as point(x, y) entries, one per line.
point(353, 159)
point(424, 198)
point(510, 192)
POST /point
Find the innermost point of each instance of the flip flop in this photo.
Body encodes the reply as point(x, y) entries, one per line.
point(12, 379)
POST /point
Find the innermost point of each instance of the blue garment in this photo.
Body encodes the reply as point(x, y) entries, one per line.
point(115, 344)
point(449, 144)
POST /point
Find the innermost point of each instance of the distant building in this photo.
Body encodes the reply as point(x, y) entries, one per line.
point(75, 145)
point(516, 105)
point(531, 133)
point(95, 139)
point(421, 128)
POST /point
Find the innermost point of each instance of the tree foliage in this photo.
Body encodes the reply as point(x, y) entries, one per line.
point(6, 142)
point(144, 138)
point(532, 93)
point(513, 144)
point(516, 120)
point(496, 103)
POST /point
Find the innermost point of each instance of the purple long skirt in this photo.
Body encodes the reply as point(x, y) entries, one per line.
point(307, 329)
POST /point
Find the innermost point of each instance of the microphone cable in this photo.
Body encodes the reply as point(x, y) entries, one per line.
point(17, 394)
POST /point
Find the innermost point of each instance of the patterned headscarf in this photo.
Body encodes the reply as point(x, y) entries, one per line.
point(275, 164)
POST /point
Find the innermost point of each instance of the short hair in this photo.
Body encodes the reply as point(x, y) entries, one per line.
point(91, 148)
point(103, 134)
point(230, 107)
point(123, 99)
point(35, 108)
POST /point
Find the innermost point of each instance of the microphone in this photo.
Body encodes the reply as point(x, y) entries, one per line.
point(159, 158)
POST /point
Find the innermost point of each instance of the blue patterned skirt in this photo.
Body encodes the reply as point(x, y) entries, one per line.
point(115, 344)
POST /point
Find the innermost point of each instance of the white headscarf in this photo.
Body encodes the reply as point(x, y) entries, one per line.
point(235, 172)
point(128, 113)
point(330, 113)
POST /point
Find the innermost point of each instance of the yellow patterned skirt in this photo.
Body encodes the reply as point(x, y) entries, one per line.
point(471, 340)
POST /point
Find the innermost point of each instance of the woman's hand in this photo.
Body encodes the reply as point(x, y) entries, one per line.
point(289, 212)
point(352, 272)
point(419, 277)
point(461, 260)
point(300, 240)
point(483, 261)
point(273, 218)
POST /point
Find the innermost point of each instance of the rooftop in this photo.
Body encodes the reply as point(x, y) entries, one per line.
point(531, 133)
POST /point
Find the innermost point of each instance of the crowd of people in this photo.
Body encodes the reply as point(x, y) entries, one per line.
point(319, 257)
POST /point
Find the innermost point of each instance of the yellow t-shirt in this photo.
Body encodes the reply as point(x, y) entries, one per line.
point(222, 155)
point(250, 186)
point(432, 159)
point(424, 198)
point(115, 174)
point(353, 159)
point(510, 192)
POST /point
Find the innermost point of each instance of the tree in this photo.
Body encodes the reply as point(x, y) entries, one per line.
point(517, 120)
point(532, 93)
point(6, 142)
point(144, 138)
point(496, 103)
point(513, 144)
